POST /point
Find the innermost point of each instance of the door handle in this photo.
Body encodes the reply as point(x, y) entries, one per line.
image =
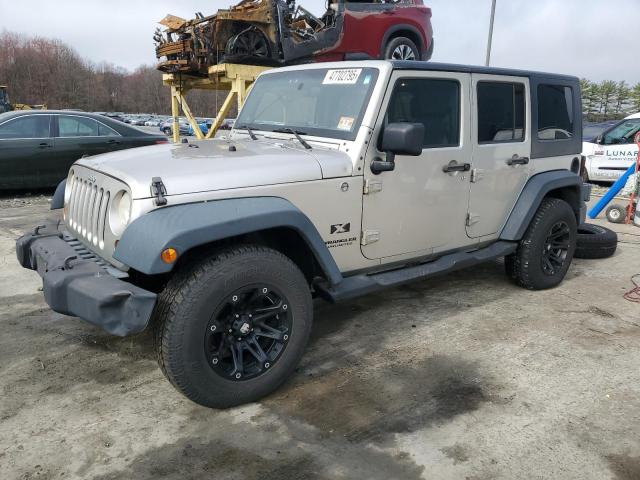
point(113, 142)
point(516, 160)
point(44, 145)
point(454, 166)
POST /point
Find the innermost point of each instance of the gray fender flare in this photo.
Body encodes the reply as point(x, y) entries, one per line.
point(186, 226)
point(531, 197)
point(58, 197)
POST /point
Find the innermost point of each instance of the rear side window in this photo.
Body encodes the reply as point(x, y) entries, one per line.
point(501, 112)
point(77, 127)
point(33, 126)
point(105, 131)
point(555, 112)
point(432, 102)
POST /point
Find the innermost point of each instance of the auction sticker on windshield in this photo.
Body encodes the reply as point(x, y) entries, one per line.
point(345, 123)
point(344, 76)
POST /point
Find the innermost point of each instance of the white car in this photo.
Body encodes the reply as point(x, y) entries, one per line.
point(612, 153)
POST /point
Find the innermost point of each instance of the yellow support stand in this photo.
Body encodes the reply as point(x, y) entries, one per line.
point(235, 78)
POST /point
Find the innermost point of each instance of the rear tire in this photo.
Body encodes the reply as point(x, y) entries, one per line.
point(545, 252)
point(401, 48)
point(594, 241)
point(207, 343)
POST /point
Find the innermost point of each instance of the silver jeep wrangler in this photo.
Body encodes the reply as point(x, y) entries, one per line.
point(338, 180)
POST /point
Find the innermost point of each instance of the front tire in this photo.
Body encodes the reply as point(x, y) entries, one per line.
point(231, 328)
point(545, 252)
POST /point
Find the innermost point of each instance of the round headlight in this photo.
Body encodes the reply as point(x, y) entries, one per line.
point(124, 208)
point(120, 212)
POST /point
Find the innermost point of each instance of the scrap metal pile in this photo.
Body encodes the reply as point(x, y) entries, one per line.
point(262, 32)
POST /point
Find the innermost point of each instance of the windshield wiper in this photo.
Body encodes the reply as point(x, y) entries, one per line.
point(249, 131)
point(297, 134)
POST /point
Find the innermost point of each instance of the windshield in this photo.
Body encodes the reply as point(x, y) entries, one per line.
point(321, 102)
point(623, 132)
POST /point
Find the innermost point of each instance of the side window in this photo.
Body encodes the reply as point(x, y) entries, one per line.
point(33, 126)
point(432, 102)
point(77, 127)
point(555, 112)
point(623, 133)
point(105, 131)
point(501, 112)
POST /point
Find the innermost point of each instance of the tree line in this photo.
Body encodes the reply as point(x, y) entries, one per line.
point(609, 100)
point(41, 70)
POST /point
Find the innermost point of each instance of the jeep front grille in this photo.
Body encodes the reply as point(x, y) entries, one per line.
point(88, 210)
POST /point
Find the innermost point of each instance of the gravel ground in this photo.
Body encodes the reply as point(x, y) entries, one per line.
point(460, 377)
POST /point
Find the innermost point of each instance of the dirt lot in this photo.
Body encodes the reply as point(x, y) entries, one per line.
point(464, 376)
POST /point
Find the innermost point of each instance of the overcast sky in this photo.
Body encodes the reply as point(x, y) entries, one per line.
point(596, 39)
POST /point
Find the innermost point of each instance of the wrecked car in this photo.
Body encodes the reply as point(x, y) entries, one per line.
point(277, 32)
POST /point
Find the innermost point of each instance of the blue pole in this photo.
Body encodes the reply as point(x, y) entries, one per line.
point(612, 192)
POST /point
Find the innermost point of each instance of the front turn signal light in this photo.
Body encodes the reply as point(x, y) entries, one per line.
point(169, 255)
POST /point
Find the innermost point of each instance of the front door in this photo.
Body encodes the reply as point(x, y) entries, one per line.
point(419, 208)
point(501, 148)
point(25, 146)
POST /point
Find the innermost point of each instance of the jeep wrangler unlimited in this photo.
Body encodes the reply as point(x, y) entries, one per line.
point(338, 180)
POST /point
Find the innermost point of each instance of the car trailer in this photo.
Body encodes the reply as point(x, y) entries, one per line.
point(235, 78)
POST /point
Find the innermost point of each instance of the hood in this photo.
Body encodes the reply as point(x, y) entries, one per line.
point(208, 165)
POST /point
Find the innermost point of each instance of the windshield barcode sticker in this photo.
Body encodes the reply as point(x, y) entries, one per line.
point(344, 76)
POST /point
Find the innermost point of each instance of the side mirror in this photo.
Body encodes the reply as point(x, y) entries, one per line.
point(403, 138)
point(400, 138)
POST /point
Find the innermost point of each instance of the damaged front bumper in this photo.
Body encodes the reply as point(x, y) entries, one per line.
point(77, 283)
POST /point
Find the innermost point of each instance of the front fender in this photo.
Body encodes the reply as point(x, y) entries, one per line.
point(187, 226)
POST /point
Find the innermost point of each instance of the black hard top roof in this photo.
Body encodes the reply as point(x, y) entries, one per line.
point(450, 67)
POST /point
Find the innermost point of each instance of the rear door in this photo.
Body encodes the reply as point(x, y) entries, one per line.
point(25, 146)
point(501, 150)
point(75, 136)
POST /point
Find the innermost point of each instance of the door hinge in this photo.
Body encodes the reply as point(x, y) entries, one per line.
point(369, 237)
point(472, 218)
point(372, 186)
point(476, 174)
point(158, 190)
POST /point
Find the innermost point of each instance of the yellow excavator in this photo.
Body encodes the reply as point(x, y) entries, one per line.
point(5, 106)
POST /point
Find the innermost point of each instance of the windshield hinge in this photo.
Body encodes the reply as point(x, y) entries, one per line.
point(158, 190)
point(372, 186)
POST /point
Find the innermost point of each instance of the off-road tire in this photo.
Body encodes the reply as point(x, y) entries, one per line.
point(185, 308)
point(616, 213)
point(399, 42)
point(525, 266)
point(594, 241)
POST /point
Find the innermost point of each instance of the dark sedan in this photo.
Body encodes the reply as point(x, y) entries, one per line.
point(38, 147)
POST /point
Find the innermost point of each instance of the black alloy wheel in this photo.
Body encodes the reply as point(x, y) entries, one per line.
point(248, 332)
point(556, 248)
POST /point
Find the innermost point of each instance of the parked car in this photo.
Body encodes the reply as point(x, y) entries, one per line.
point(610, 153)
point(166, 127)
point(276, 32)
point(338, 180)
point(204, 125)
point(38, 147)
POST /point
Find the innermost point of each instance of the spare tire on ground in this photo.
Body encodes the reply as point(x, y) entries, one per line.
point(594, 241)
